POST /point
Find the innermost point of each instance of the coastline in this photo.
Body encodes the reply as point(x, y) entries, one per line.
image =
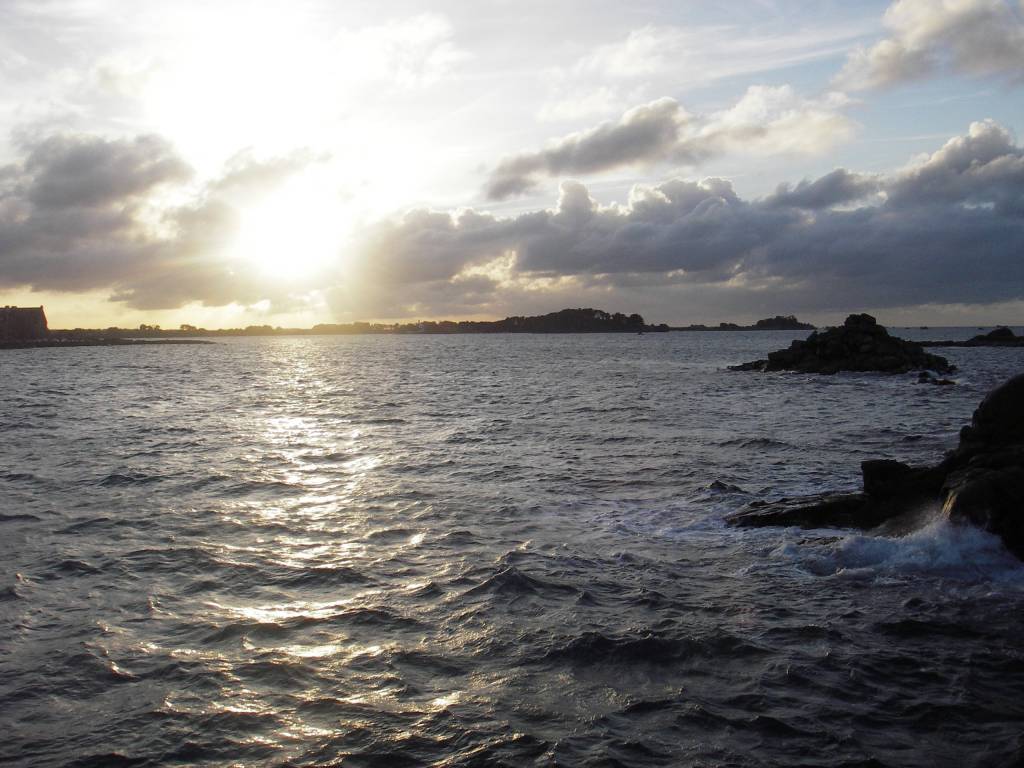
point(97, 343)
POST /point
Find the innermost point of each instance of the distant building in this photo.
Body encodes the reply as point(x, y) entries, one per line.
point(23, 324)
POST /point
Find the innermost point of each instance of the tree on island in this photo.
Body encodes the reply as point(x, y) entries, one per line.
point(782, 323)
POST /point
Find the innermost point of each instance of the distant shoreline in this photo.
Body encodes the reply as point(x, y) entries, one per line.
point(564, 321)
point(103, 342)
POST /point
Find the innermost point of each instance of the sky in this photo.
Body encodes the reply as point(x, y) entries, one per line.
point(229, 163)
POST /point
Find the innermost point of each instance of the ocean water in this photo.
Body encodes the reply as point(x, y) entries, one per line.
point(485, 550)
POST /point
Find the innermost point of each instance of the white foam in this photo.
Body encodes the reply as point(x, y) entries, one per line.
point(939, 548)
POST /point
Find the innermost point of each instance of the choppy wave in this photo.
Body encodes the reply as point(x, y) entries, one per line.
point(476, 551)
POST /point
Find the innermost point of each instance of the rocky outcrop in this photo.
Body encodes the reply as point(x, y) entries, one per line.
point(860, 344)
point(980, 483)
point(1000, 337)
point(781, 323)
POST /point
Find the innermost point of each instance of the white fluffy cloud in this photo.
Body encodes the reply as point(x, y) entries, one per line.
point(970, 37)
point(665, 58)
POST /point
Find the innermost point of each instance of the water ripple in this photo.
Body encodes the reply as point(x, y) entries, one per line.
point(479, 551)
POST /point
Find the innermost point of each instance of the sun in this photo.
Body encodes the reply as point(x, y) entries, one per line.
point(294, 232)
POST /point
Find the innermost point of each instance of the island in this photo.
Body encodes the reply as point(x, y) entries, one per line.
point(22, 327)
point(564, 321)
point(859, 344)
point(1000, 337)
point(777, 323)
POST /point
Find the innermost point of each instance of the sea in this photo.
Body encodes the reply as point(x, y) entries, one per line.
point(486, 550)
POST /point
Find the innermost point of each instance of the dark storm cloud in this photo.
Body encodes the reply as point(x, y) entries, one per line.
point(950, 230)
point(82, 213)
point(643, 134)
point(836, 188)
point(74, 171)
point(68, 213)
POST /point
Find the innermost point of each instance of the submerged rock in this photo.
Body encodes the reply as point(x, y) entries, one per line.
point(925, 377)
point(979, 483)
point(860, 344)
point(719, 486)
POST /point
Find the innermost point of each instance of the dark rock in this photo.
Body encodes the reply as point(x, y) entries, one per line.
point(719, 487)
point(860, 344)
point(884, 477)
point(826, 510)
point(753, 365)
point(781, 323)
point(999, 334)
point(863, 321)
point(925, 377)
point(1000, 417)
point(992, 499)
point(888, 479)
point(980, 483)
point(1000, 337)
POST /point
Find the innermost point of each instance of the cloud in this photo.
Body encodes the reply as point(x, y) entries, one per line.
point(74, 171)
point(69, 212)
point(836, 188)
point(985, 167)
point(949, 229)
point(246, 173)
point(413, 52)
point(668, 58)
point(764, 120)
point(969, 37)
point(647, 133)
point(81, 212)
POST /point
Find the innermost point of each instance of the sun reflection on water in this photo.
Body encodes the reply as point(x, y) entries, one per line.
point(305, 518)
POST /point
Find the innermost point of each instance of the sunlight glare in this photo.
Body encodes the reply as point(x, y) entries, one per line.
point(295, 231)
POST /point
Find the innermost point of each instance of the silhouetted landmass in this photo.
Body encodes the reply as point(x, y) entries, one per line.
point(97, 342)
point(980, 483)
point(19, 324)
point(1000, 337)
point(777, 323)
point(26, 327)
point(860, 344)
point(564, 321)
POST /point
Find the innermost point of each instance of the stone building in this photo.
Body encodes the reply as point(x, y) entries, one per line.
point(22, 324)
